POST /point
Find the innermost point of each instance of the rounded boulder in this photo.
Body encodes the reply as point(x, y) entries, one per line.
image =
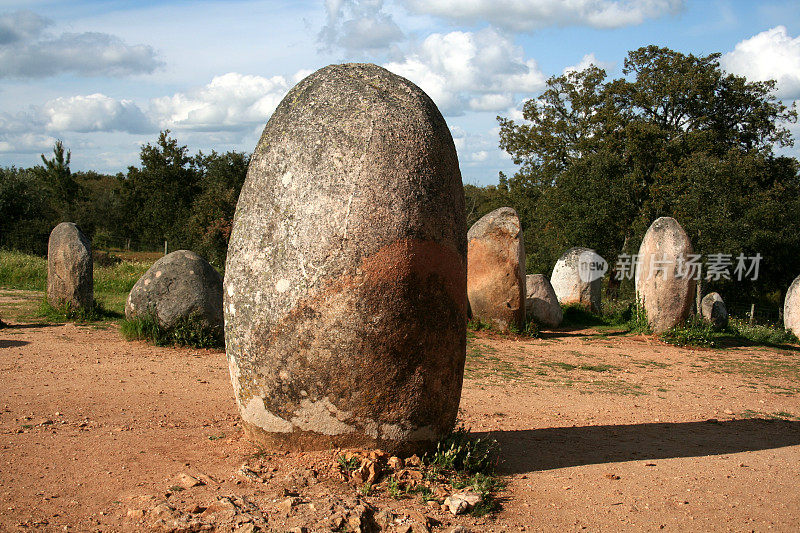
point(791, 307)
point(178, 286)
point(541, 302)
point(496, 269)
point(664, 285)
point(713, 310)
point(70, 277)
point(574, 286)
point(345, 285)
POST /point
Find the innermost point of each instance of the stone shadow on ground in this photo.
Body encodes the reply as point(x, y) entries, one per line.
point(530, 450)
point(5, 343)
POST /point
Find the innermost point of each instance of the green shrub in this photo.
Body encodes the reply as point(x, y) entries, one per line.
point(188, 331)
point(637, 318)
point(530, 329)
point(476, 324)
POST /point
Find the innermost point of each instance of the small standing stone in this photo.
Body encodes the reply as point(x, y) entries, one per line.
point(570, 286)
point(713, 310)
point(496, 269)
point(179, 285)
point(664, 286)
point(541, 302)
point(69, 268)
point(791, 307)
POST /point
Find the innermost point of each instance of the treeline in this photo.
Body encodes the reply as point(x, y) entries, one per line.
point(186, 200)
point(599, 159)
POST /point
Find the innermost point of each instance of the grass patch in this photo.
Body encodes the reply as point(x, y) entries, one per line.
point(66, 312)
point(765, 335)
point(621, 316)
point(783, 368)
point(112, 282)
point(22, 271)
point(190, 331)
point(693, 332)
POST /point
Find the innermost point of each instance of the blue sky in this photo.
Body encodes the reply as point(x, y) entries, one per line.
point(106, 76)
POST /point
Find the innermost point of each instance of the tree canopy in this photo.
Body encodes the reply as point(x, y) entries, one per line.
point(600, 159)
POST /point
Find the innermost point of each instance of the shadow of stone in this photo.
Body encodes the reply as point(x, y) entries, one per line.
point(531, 450)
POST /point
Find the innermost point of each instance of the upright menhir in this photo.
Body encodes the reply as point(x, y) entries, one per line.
point(345, 286)
point(70, 275)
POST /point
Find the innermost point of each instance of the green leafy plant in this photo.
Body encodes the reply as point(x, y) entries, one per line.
point(348, 465)
point(366, 489)
point(461, 453)
point(529, 329)
point(476, 324)
point(393, 488)
point(637, 321)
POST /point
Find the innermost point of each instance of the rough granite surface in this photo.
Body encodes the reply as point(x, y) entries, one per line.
point(666, 294)
point(496, 269)
point(70, 275)
point(345, 286)
point(568, 285)
point(179, 285)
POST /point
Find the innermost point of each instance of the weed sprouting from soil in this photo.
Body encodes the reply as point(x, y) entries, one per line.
point(461, 453)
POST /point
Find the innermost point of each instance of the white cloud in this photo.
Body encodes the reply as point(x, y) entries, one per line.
point(95, 112)
point(230, 102)
point(358, 26)
point(465, 70)
point(518, 15)
point(26, 143)
point(587, 61)
point(771, 54)
point(19, 26)
point(27, 52)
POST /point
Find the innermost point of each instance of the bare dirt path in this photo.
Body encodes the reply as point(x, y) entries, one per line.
point(599, 433)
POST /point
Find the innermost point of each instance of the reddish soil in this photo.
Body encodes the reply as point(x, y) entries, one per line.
point(598, 432)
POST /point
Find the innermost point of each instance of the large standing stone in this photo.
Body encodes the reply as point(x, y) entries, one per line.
point(713, 310)
point(541, 302)
point(496, 269)
point(345, 285)
point(570, 286)
point(69, 268)
point(663, 288)
point(178, 286)
point(791, 307)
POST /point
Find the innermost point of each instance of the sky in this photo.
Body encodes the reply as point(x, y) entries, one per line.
point(105, 76)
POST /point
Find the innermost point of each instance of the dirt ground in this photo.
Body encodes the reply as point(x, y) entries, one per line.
point(599, 432)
